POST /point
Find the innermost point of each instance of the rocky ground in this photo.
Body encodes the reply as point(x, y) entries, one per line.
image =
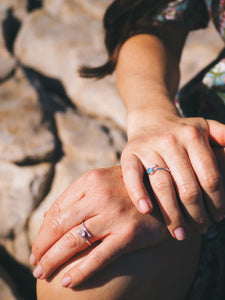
point(54, 125)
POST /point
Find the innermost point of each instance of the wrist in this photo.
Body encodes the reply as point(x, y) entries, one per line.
point(141, 120)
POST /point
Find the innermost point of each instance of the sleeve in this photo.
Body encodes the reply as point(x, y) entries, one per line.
point(192, 14)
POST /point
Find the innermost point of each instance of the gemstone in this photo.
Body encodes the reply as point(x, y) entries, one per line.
point(81, 233)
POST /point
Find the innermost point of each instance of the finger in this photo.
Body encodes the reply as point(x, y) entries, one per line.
point(133, 172)
point(69, 245)
point(53, 229)
point(188, 189)
point(106, 252)
point(216, 132)
point(207, 172)
point(163, 189)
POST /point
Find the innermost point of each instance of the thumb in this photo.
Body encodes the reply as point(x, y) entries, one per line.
point(216, 132)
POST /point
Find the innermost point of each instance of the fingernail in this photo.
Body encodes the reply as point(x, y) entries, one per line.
point(38, 272)
point(144, 206)
point(66, 281)
point(33, 260)
point(180, 233)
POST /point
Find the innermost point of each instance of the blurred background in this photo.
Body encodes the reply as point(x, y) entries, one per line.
point(55, 126)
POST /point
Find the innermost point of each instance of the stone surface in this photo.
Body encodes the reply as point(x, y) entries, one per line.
point(17, 6)
point(82, 42)
point(5, 291)
point(86, 145)
point(21, 190)
point(7, 61)
point(67, 9)
point(18, 247)
point(23, 134)
point(201, 48)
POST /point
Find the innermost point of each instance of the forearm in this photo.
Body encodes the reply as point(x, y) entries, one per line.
point(147, 72)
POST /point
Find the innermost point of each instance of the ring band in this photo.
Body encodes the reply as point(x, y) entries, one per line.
point(154, 168)
point(85, 234)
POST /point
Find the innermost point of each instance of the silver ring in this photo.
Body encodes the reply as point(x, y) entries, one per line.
point(154, 168)
point(85, 234)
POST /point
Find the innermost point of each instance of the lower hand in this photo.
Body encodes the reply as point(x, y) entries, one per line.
point(100, 199)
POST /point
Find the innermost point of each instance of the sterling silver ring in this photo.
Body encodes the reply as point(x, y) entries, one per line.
point(85, 234)
point(154, 168)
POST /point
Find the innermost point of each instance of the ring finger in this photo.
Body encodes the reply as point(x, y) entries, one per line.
point(163, 189)
point(71, 243)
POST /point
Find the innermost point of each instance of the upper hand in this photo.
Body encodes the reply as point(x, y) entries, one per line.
point(100, 199)
point(194, 185)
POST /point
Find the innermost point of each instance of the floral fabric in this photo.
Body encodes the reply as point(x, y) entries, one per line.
point(204, 96)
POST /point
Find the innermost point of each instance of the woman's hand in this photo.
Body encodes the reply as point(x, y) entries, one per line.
point(100, 199)
point(182, 146)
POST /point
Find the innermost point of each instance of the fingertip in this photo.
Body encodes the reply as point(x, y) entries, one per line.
point(66, 282)
point(144, 206)
point(180, 233)
point(32, 260)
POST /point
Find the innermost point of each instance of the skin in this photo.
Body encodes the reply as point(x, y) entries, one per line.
point(149, 273)
point(147, 76)
point(147, 79)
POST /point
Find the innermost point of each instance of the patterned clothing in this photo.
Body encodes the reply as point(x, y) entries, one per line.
point(204, 97)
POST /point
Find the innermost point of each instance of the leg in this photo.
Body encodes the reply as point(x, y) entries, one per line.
point(162, 272)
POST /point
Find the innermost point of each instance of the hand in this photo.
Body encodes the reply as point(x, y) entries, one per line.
point(183, 146)
point(100, 199)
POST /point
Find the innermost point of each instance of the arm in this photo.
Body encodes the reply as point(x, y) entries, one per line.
point(147, 76)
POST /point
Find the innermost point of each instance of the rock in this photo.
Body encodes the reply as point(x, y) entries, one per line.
point(67, 9)
point(17, 6)
point(21, 189)
point(23, 134)
point(6, 292)
point(18, 247)
point(86, 145)
point(60, 49)
point(7, 62)
point(199, 51)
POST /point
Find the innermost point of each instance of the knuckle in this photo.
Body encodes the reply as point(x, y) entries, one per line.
point(211, 182)
point(54, 226)
point(191, 132)
point(169, 140)
point(47, 262)
point(81, 274)
point(161, 186)
point(56, 208)
point(95, 175)
point(70, 240)
point(189, 194)
point(97, 259)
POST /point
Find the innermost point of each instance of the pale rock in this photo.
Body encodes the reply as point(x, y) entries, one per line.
point(67, 9)
point(6, 292)
point(60, 49)
point(23, 134)
point(18, 247)
point(7, 62)
point(96, 8)
point(19, 8)
point(86, 146)
point(21, 189)
point(201, 48)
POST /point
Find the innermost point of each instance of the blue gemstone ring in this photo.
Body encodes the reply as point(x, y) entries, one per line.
point(154, 168)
